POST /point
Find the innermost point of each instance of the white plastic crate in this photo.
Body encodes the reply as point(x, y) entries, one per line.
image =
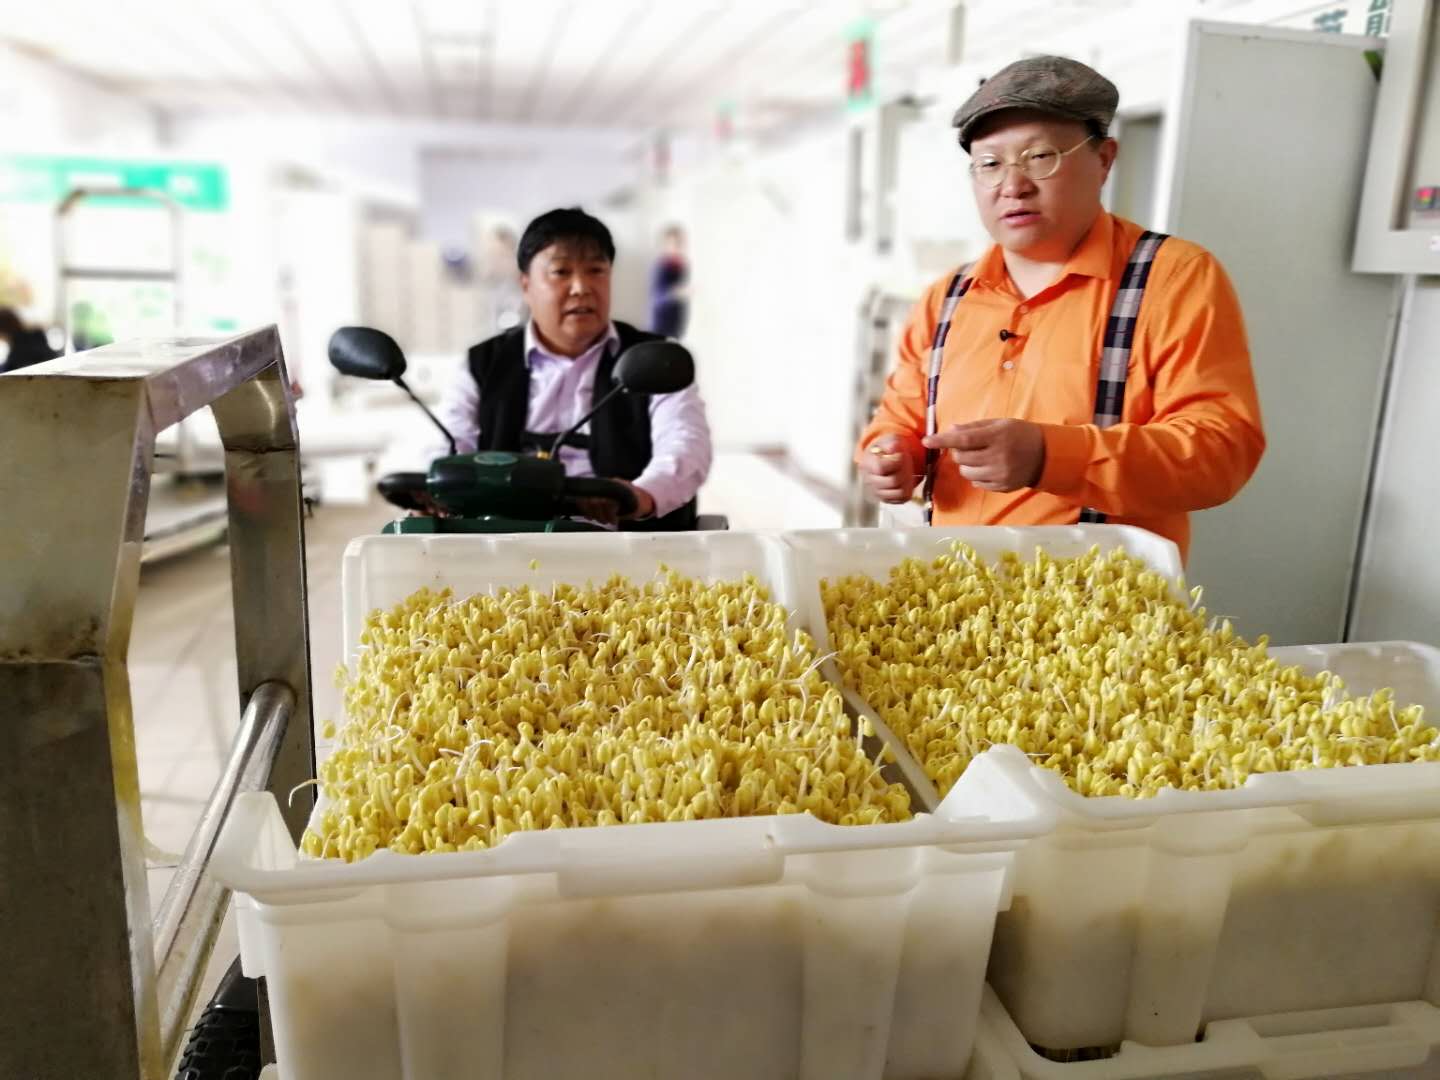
point(380, 571)
point(1148, 919)
point(829, 554)
point(764, 947)
point(1381, 1042)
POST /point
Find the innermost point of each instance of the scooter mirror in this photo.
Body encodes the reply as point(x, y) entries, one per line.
point(366, 353)
point(655, 367)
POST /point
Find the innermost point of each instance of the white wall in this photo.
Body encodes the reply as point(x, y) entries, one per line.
point(774, 291)
point(774, 280)
point(634, 226)
point(521, 182)
point(445, 177)
point(381, 156)
point(317, 241)
point(450, 170)
point(47, 106)
point(49, 109)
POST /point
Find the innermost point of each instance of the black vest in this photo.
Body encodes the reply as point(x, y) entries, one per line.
point(619, 433)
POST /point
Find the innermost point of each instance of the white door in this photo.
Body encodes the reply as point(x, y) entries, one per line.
point(1273, 126)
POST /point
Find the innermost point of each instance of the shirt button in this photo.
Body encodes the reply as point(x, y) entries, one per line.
point(1008, 364)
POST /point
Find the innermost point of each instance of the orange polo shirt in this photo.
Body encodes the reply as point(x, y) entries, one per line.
point(1190, 433)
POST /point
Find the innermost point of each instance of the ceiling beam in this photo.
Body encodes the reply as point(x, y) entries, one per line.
point(206, 61)
point(485, 77)
point(596, 69)
point(829, 51)
point(686, 97)
point(242, 46)
point(367, 52)
point(534, 88)
point(307, 52)
point(636, 93)
point(427, 60)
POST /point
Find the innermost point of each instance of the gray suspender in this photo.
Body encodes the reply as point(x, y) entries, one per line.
point(1114, 354)
point(959, 286)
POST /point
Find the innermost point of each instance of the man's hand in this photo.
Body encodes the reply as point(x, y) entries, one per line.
point(995, 455)
point(606, 512)
point(887, 469)
point(644, 503)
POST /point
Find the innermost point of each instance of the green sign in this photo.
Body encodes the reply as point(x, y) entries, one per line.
point(725, 121)
point(33, 178)
point(860, 64)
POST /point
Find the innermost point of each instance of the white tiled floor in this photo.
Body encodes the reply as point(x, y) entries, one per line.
point(182, 663)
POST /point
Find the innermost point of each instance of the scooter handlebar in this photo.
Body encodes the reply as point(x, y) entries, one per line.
point(408, 491)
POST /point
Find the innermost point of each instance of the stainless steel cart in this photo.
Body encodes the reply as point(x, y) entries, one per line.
point(94, 988)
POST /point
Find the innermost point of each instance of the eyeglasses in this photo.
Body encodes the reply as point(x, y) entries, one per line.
point(1039, 162)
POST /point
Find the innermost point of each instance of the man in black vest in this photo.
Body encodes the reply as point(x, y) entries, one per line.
point(521, 388)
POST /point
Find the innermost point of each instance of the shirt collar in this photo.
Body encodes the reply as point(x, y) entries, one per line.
point(534, 348)
point(1095, 257)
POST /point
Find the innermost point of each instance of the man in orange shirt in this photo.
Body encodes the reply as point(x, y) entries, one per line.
point(1082, 368)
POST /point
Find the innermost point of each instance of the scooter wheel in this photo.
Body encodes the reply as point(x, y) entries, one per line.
point(223, 1045)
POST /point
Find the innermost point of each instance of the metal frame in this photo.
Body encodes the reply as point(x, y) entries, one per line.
point(1382, 247)
point(84, 993)
point(873, 166)
point(880, 311)
point(68, 273)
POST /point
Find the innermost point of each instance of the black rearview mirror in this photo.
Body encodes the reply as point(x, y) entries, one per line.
point(655, 367)
point(366, 353)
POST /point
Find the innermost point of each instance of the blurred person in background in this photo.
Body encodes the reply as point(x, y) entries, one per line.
point(670, 286)
point(1082, 369)
point(24, 345)
point(501, 298)
point(521, 388)
point(89, 328)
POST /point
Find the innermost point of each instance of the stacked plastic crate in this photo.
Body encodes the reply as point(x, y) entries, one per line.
point(1289, 925)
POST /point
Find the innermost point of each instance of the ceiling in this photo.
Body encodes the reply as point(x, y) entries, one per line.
point(629, 63)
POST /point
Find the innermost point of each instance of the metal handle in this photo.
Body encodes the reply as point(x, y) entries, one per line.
point(194, 905)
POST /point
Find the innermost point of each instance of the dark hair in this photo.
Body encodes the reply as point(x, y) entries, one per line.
point(10, 324)
point(573, 226)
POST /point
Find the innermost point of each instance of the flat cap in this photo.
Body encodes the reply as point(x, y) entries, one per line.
point(1052, 84)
